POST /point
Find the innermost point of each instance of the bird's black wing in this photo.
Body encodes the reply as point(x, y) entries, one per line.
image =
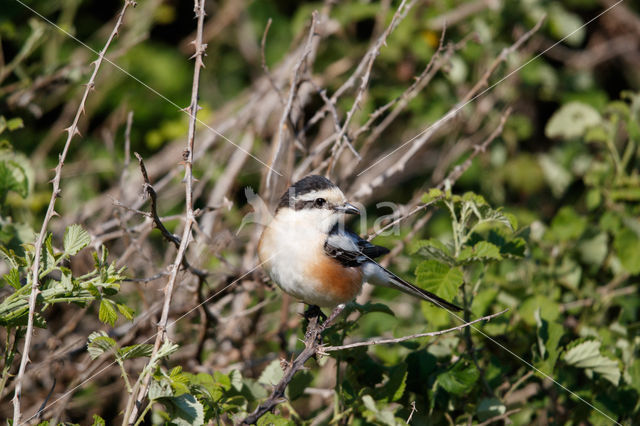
point(352, 251)
point(349, 249)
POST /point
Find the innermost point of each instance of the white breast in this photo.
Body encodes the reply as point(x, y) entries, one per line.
point(289, 244)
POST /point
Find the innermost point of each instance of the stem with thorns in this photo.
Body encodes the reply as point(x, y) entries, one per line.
point(135, 401)
point(72, 130)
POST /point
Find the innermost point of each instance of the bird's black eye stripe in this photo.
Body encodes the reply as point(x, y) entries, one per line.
point(320, 202)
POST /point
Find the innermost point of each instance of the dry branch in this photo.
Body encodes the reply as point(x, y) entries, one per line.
point(135, 400)
point(72, 130)
point(379, 341)
point(418, 141)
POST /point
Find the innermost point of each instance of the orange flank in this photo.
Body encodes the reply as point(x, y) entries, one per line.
point(339, 283)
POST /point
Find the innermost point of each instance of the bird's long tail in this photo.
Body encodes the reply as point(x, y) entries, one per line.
point(378, 275)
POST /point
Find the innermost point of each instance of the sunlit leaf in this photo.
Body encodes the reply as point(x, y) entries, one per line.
point(586, 355)
point(75, 239)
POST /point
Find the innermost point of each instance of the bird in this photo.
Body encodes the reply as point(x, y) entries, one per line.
point(307, 251)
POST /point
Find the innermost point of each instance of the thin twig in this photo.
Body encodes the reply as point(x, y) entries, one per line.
point(72, 130)
point(372, 54)
point(418, 141)
point(177, 241)
point(378, 341)
point(132, 409)
point(293, 90)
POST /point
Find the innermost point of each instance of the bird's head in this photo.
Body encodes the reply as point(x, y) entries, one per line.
point(316, 200)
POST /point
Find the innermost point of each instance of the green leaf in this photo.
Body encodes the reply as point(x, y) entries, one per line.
point(186, 410)
point(460, 379)
point(75, 239)
point(13, 177)
point(370, 307)
point(481, 251)
point(272, 374)
point(394, 387)
point(431, 195)
point(567, 225)
point(627, 245)
point(571, 121)
point(558, 178)
point(271, 419)
point(594, 250)
point(136, 351)
point(586, 355)
point(126, 311)
point(14, 124)
point(13, 278)
point(98, 421)
point(236, 379)
point(439, 278)
point(565, 25)
point(160, 389)
point(436, 250)
point(490, 407)
point(99, 343)
point(549, 335)
point(107, 313)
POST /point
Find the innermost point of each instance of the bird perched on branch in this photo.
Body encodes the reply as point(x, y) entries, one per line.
point(307, 251)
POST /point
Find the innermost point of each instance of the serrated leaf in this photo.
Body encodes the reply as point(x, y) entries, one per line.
point(13, 278)
point(460, 379)
point(136, 351)
point(167, 349)
point(272, 374)
point(75, 239)
point(126, 311)
point(99, 343)
point(107, 313)
point(439, 278)
point(236, 379)
point(160, 389)
point(481, 251)
point(436, 250)
point(586, 354)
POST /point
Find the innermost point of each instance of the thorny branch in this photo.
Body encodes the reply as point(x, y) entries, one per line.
point(313, 347)
point(378, 341)
point(133, 406)
point(72, 130)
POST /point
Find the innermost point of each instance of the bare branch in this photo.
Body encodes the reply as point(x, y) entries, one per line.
point(135, 401)
point(312, 343)
point(72, 130)
point(418, 141)
point(378, 341)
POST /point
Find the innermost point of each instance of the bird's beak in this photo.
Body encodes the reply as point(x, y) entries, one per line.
point(348, 208)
